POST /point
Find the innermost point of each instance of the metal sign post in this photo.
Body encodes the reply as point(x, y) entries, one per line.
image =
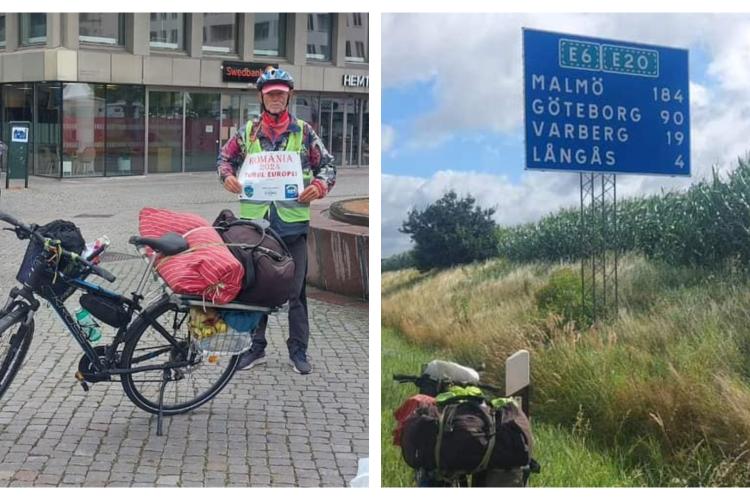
point(604, 107)
point(599, 245)
point(18, 153)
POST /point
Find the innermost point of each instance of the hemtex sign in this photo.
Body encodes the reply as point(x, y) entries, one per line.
point(356, 81)
point(594, 105)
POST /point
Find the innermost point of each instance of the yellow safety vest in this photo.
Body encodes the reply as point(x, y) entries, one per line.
point(288, 210)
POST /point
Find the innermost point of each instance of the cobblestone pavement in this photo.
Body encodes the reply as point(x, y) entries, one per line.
point(269, 427)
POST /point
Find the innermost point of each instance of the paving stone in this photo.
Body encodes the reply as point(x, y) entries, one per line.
point(269, 427)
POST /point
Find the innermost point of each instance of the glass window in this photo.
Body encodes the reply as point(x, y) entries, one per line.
point(165, 131)
point(126, 129)
point(319, 36)
point(306, 108)
point(83, 129)
point(270, 35)
point(202, 114)
point(108, 29)
point(167, 33)
point(236, 110)
point(356, 35)
point(33, 28)
point(220, 33)
point(2, 31)
point(47, 129)
point(18, 104)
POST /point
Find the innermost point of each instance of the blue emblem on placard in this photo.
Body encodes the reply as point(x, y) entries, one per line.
point(249, 191)
point(291, 191)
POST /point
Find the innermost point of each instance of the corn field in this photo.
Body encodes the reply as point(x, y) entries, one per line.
point(707, 225)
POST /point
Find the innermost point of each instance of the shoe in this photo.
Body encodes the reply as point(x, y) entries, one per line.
point(251, 358)
point(298, 360)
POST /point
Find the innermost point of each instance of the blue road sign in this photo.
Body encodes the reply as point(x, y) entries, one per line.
point(595, 105)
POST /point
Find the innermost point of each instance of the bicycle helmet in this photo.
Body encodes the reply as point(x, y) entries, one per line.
point(274, 79)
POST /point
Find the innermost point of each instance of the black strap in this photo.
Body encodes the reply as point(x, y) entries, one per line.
point(264, 231)
point(446, 418)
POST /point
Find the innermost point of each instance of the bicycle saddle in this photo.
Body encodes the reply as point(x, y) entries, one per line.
point(168, 244)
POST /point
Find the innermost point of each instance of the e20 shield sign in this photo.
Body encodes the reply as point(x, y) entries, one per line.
point(595, 105)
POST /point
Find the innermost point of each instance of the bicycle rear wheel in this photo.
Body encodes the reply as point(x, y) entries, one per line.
point(187, 387)
point(15, 338)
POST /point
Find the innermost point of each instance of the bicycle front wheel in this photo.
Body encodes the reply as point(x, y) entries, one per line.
point(15, 337)
point(185, 387)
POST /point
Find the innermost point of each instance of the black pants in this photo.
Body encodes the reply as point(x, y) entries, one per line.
point(299, 326)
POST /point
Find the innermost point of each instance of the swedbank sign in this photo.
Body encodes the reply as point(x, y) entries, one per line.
point(233, 71)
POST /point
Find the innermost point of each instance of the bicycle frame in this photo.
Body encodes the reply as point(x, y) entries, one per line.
point(57, 304)
point(100, 363)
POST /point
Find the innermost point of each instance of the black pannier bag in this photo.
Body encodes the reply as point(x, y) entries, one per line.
point(465, 436)
point(39, 274)
point(513, 439)
point(418, 437)
point(269, 267)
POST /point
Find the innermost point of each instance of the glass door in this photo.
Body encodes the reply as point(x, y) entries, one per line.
point(125, 129)
point(165, 131)
point(202, 127)
point(333, 128)
point(338, 131)
point(236, 110)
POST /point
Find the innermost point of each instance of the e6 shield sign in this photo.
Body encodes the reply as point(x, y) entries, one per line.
point(596, 105)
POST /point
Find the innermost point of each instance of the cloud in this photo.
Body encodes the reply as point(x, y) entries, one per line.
point(388, 137)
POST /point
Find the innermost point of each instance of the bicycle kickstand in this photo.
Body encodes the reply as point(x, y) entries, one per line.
point(160, 416)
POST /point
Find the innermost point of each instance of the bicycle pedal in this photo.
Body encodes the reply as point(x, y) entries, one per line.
point(80, 379)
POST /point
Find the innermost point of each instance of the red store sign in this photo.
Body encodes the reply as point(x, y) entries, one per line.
point(233, 71)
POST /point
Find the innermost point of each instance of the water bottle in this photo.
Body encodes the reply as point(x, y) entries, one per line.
point(88, 325)
point(93, 250)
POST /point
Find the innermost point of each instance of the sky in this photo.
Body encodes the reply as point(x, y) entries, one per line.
point(452, 108)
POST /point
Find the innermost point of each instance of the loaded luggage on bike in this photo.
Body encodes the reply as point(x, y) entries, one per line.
point(230, 260)
point(455, 433)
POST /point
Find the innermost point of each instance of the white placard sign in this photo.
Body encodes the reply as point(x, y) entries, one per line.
point(517, 373)
point(271, 176)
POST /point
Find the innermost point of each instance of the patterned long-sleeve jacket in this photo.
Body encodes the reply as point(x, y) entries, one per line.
point(314, 158)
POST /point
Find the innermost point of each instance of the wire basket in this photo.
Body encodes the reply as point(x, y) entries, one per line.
point(229, 343)
point(225, 333)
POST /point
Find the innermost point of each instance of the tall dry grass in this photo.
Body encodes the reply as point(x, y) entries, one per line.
point(666, 381)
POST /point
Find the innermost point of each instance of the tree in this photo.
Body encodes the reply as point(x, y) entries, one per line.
point(451, 231)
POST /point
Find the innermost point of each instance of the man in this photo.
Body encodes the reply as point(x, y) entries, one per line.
point(277, 130)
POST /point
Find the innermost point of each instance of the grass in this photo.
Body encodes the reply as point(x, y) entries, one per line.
point(663, 387)
point(561, 452)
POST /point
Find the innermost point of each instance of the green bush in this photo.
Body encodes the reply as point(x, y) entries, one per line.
point(562, 297)
point(403, 260)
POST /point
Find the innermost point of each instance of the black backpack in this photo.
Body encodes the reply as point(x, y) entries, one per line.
point(269, 267)
point(39, 274)
point(466, 435)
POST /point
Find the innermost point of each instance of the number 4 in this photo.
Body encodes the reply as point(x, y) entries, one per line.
point(679, 162)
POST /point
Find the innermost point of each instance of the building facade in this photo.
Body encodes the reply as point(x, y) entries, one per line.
point(132, 94)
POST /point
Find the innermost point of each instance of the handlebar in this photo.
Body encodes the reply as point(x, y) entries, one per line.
point(403, 379)
point(15, 222)
point(27, 232)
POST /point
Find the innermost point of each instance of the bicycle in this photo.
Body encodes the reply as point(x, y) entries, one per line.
point(154, 339)
point(438, 377)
